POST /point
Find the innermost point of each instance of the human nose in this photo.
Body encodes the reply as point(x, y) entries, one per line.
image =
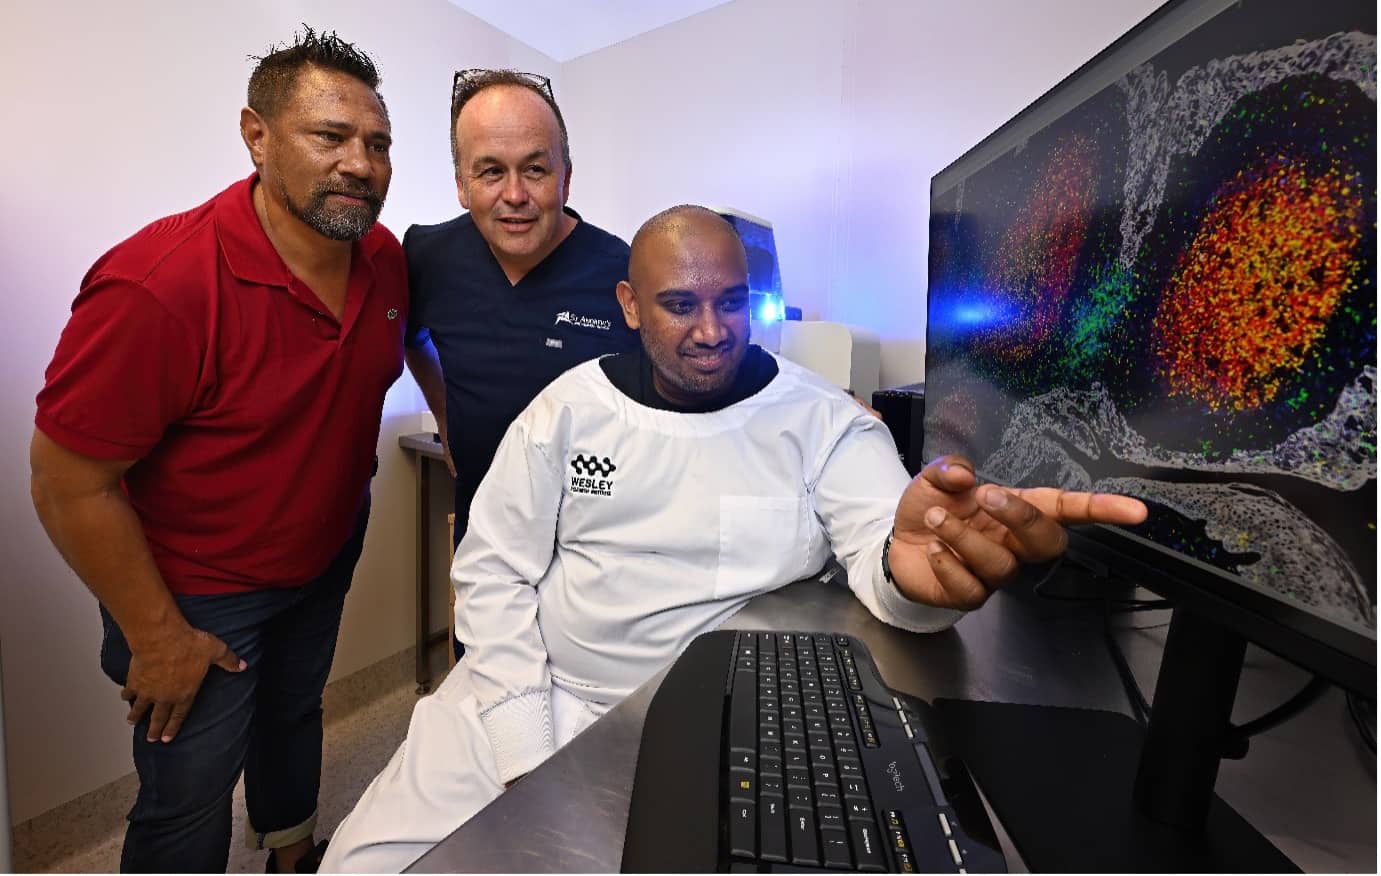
point(709, 329)
point(355, 159)
point(514, 191)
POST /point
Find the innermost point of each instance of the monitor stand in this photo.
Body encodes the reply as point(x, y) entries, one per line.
point(1082, 790)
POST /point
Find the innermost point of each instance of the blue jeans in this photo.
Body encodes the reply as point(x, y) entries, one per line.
point(265, 720)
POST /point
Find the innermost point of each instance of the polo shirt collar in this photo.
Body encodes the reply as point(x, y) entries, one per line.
point(248, 252)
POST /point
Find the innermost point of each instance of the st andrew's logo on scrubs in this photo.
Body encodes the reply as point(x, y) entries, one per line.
point(588, 322)
point(593, 475)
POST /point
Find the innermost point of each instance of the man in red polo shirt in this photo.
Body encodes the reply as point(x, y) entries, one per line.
point(205, 438)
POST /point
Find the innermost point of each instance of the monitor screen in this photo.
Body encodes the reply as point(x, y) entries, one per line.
point(1159, 280)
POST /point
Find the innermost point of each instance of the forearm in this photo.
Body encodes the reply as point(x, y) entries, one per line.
point(100, 537)
point(425, 367)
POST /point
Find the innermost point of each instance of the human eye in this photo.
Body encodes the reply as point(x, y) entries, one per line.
point(330, 137)
point(678, 306)
point(734, 303)
point(535, 171)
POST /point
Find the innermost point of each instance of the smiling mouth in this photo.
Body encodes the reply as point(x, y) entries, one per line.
point(708, 361)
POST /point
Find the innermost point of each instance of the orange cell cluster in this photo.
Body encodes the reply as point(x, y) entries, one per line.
point(1252, 295)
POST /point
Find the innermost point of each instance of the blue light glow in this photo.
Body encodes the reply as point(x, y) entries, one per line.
point(767, 307)
point(967, 312)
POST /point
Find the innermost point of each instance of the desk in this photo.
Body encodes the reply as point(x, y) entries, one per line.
point(1304, 784)
point(427, 451)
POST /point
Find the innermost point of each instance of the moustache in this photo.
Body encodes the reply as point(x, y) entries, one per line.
point(364, 193)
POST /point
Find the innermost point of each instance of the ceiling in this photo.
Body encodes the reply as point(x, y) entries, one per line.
point(566, 29)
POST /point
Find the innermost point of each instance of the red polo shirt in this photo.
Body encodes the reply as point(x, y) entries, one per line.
point(252, 412)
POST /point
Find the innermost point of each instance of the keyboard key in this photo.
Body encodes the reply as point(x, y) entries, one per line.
point(831, 817)
point(855, 788)
point(770, 784)
point(849, 769)
point(906, 863)
point(867, 846)
point(820, 756)
point(805, 848)
point(741, 784)
point(834, 848)
point(827, 796)
point(898, 840)
point(770, 749)
point(794, 726)
point(741, 759)
point(772, 829)
point(743, 829)
point(858, 810)
point(825, 775)
point(799, 798)
point(798, 777)
point(769, 766)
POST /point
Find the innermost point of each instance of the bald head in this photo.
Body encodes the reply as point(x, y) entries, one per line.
point(664, 238)
point(687, 296)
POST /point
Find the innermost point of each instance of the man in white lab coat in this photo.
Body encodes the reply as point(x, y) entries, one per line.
point(644, 497)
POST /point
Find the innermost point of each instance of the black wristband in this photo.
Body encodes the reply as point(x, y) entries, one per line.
point(887, 549)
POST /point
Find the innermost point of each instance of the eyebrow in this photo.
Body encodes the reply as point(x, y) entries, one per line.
point(731, 290)
point(484, 160)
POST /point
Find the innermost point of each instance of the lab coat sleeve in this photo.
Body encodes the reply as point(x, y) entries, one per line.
point(855, 495)
point(506, 551)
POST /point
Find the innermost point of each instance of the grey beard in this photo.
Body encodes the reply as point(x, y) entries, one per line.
point(345, 223)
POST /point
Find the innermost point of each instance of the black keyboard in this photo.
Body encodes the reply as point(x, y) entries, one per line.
point(784, 751)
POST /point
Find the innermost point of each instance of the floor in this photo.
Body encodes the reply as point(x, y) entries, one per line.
point(366, 717)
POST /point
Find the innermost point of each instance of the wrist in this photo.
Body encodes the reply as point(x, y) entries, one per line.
point(887, 558)
point(156, 631)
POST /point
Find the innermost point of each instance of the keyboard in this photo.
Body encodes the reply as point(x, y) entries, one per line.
point(784, 751)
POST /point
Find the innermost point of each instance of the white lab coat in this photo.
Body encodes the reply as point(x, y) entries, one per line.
point(604, 538)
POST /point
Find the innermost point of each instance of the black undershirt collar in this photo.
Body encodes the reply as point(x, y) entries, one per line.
point(631, 374)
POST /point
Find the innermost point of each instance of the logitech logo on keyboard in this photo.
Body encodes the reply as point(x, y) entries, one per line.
point(896, 776)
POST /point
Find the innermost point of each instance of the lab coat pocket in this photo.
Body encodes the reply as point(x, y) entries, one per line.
point(763, 543)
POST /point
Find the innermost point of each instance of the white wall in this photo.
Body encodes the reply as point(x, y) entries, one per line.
point(121, 113)
point(827, 117)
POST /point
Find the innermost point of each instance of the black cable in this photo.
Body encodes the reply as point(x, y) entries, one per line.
point(1359, 720)
point(1140, 708)
point(1236, 744)
point(1121, 604)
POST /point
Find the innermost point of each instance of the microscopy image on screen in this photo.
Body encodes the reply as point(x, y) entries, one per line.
point(1169, 291)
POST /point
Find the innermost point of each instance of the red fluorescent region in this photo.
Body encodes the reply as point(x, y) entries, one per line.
point(1035, 264)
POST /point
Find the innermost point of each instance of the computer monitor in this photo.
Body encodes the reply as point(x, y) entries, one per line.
point(1159, 280)
point(767, 307)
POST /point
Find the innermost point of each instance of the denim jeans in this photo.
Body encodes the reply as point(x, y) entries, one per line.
point(265, 720)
